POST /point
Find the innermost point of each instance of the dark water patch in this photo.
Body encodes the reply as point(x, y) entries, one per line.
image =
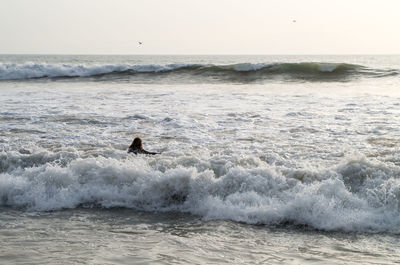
point(25, 131)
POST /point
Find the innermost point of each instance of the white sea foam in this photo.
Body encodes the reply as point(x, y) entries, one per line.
point(357, 195)
point(38, 70)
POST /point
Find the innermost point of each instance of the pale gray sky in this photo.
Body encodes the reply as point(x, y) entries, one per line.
point(200, 26)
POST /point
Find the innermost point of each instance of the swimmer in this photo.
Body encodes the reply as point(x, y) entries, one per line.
point(137, 148)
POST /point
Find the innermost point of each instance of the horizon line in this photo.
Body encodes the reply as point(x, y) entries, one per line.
point(204, 54)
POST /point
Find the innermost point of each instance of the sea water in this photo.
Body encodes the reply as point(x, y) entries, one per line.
point(264, 159)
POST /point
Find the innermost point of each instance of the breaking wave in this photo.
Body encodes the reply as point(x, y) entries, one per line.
point(357, 195)
point(244, 72)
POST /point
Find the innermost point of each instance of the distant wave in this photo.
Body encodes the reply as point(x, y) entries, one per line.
point(244, 72)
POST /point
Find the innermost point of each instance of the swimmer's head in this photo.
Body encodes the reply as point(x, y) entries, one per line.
point(137, 143)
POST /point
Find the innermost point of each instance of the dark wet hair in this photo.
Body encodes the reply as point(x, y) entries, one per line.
point(136, 144)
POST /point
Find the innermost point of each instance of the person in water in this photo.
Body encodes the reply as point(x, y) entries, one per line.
point(137, 148)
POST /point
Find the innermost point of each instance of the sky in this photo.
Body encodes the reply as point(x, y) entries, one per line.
point(200, 26)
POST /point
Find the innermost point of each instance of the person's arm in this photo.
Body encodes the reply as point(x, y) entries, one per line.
point(149, 153)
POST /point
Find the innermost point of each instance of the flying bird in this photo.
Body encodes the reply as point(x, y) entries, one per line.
point(140, 43)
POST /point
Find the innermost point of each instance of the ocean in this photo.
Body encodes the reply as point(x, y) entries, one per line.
point(264, 159)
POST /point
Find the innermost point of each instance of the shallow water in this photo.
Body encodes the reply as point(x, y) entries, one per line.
point(123, 236)
point(298, 164)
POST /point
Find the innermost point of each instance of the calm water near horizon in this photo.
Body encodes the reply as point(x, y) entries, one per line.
point(264, 159)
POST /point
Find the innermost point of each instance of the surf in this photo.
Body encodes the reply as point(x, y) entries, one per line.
point(359, 194)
